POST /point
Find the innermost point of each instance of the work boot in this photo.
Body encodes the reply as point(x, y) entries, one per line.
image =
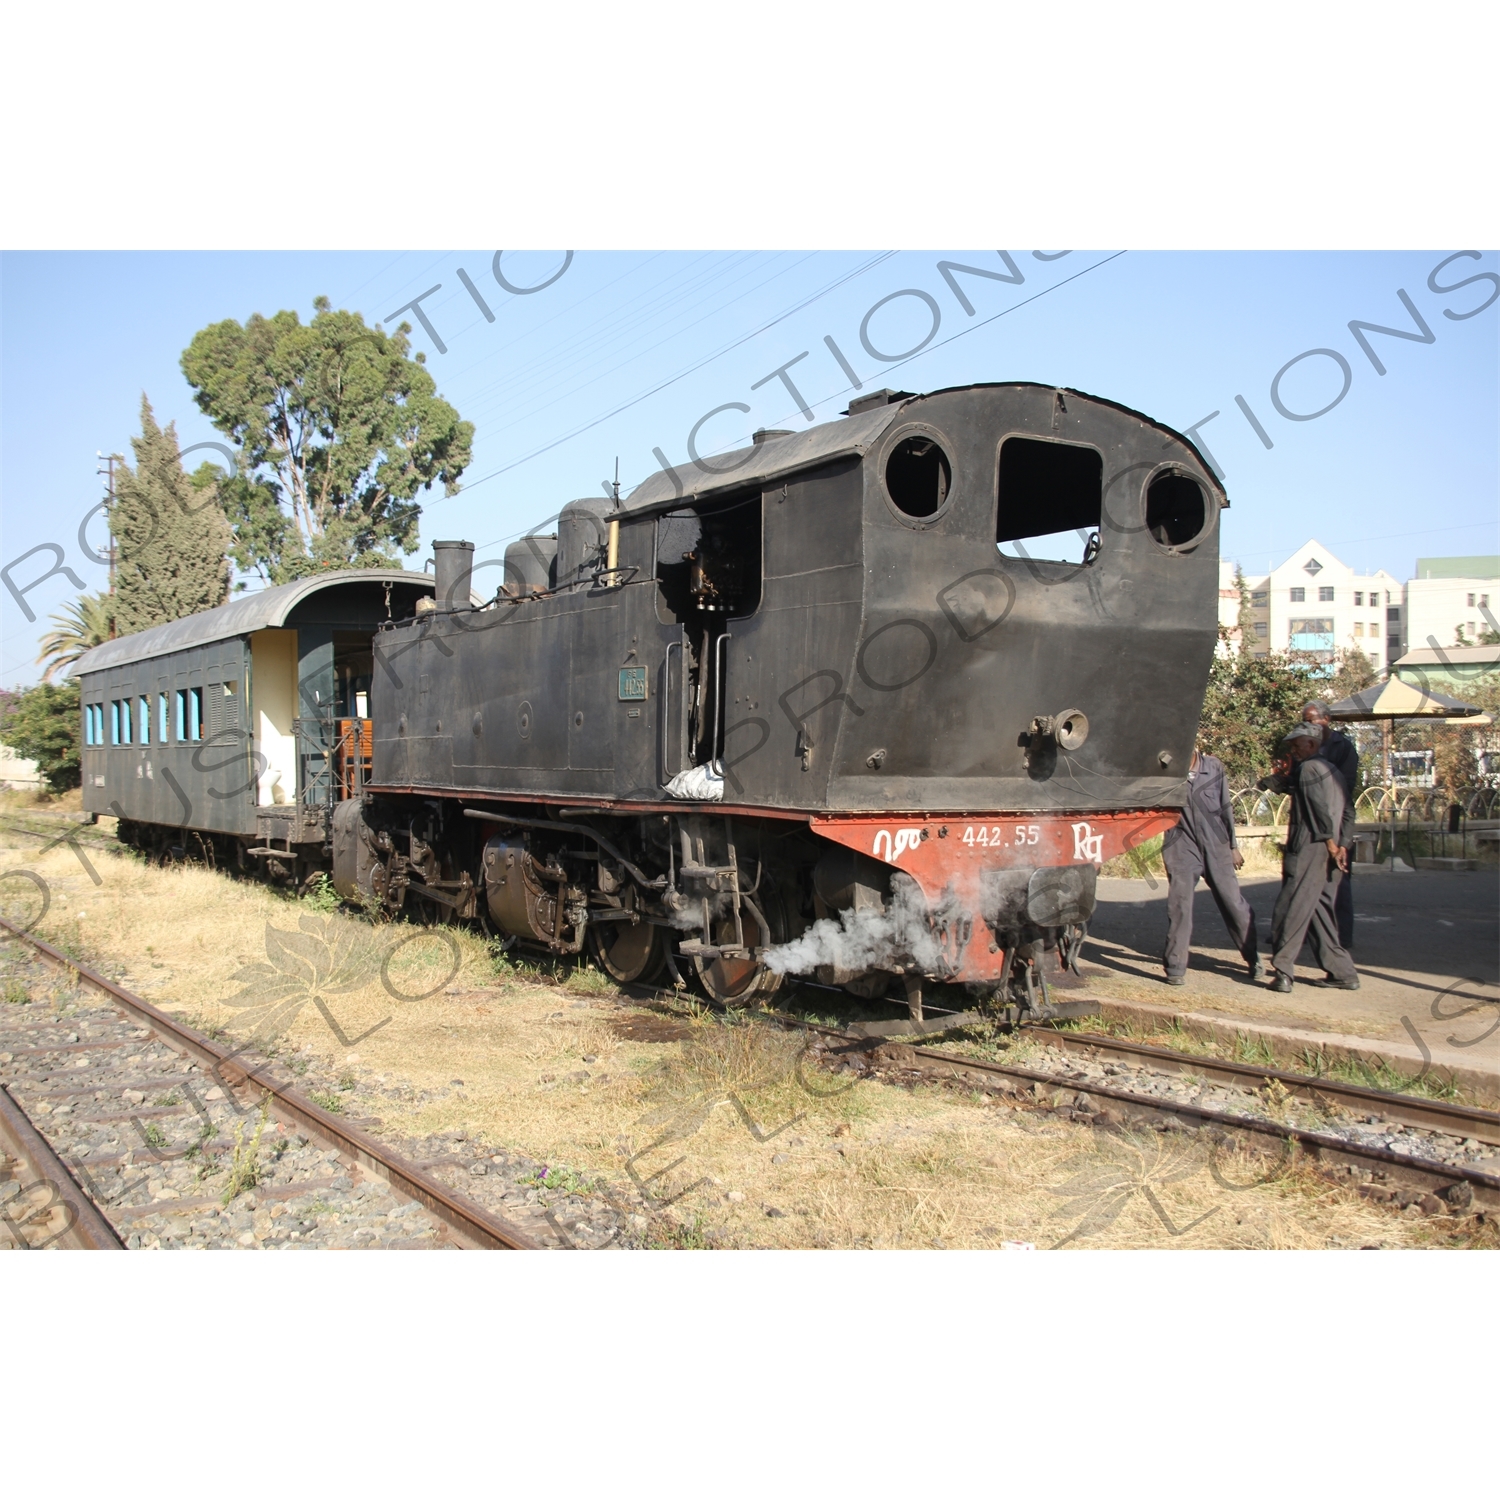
point(1281, 984)
point(1173, 979)
point(1258, 971)
point(1342, 984)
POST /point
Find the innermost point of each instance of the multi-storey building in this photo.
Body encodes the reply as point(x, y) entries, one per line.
point(1316, 606)
point(1452, 601)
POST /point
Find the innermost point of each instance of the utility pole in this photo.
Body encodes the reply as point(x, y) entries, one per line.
point(109, 508)
point(109, 517)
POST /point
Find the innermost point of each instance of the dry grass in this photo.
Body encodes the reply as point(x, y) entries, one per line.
point(724, 1124)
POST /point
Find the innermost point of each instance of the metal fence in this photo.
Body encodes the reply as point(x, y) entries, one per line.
point(1414, 824)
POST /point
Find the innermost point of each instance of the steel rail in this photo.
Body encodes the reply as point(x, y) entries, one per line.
point(1429, 1114)
point(1433, 1114)
point(1486, 1187)
point(479, 1226)
point(88, 1229)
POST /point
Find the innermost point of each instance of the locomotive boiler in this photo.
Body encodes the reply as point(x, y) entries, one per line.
point(872, 702)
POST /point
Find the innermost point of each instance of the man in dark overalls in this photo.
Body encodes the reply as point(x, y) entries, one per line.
point(1312, 867)
point(1202, 846)
point(1338, 750)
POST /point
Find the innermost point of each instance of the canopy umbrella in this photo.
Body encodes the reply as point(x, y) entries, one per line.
point(1393, 699)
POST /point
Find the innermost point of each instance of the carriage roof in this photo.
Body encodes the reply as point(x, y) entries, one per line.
point(262, 610)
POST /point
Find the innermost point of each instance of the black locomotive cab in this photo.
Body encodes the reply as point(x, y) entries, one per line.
point(932, 664)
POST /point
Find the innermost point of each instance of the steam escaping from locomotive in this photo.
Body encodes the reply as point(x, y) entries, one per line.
point(894, 936)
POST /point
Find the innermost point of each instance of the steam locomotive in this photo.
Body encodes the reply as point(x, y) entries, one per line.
point(871, 702)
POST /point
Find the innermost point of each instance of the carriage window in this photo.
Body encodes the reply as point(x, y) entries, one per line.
point(1050, 502)
point(145, 719)
point(189, 714)
point(161, 718)
point(125, 737)
point(114, 721)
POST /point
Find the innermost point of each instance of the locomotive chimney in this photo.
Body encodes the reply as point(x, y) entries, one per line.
point(453, 565)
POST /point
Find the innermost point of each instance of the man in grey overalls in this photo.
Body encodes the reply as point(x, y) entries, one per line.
point(1312, 867)
point(1339, 751)
point(1202, 846)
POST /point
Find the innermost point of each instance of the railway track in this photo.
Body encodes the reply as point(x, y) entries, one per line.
point(1426, 1167)
point(1447, 1159)
point(110, 1076)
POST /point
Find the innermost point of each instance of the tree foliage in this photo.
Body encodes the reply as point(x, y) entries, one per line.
point(41, 723)
point(338, 431)
point(1457, 745)
point(1488, 636)
point(1251, 702)
point(87, 622)
point(171, 532)
point(1353, 673)
point(1245, 615)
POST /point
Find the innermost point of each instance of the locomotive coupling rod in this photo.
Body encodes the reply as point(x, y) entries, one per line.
point(637, 874)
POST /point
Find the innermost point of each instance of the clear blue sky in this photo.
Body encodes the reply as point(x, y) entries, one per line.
point(626, 351)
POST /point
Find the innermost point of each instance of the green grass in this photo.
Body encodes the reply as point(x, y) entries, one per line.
point(585, 979)
point(678, 1237)
point(559, 1180)
point(1139, 862)
point(16, 993)
point(1254, 1051)
point(1378, 1074)
point(324, 1100)
point(244, 1166)
point(321, 896)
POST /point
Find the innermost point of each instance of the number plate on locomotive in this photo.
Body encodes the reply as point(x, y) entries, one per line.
point(632, 684)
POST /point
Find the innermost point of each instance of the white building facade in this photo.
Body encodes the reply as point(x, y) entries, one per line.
point(1450, 595)
point(1315, 605)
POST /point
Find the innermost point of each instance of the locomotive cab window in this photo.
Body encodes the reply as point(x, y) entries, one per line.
point(1175, 511)
point(708, 561)
point(918, 477)
point(1050, 503)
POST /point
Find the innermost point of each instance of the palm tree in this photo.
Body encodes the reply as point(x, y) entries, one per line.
point(88, 622)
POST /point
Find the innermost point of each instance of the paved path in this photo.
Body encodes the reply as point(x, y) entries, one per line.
point(1427, 946)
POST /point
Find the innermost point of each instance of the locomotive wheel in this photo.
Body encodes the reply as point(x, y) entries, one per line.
point(737, 981)
point(627, 954)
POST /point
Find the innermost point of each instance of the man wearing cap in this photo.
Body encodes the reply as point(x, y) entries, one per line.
point(1202, 846)
point(1312, 867)
point(1338, 750)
